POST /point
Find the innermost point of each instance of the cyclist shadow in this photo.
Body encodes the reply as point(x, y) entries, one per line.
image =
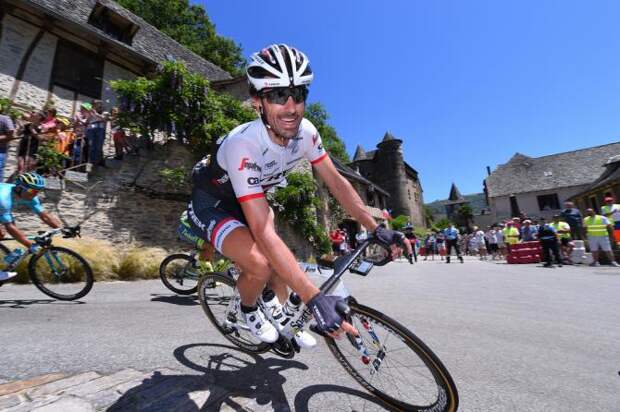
point(191, 300)
point(229, 377)
point(316, 397)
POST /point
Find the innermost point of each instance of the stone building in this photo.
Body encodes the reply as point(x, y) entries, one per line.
point(538, 186)
point(608, 183)
point(67, 51)
point(387, 167)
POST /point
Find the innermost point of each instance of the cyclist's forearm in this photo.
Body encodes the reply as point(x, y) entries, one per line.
point(285, 265)
point(50, 220)
point(17, 234)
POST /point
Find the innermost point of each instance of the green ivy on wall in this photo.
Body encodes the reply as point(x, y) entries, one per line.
point(298, 202)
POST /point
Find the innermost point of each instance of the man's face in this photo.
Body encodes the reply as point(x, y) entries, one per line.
point(609, 200)
point(568, 205)
point(283, 118)
point(590, 212)
point(27, 194)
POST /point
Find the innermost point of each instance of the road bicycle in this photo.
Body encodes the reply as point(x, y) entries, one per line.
point(180, 272)
point(57, 271)
point(387, 359)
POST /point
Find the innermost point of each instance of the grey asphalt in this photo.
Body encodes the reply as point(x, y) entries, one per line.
point(514, 337)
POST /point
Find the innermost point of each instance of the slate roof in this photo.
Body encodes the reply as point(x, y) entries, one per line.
point(148, 42)
point(532, 174)
point(609, 176)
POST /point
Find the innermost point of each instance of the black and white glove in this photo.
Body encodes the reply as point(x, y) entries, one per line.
point(388, 237)
point(326, 310)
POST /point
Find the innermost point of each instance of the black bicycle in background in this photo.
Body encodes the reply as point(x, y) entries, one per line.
point(387, 359)
point(57, 271)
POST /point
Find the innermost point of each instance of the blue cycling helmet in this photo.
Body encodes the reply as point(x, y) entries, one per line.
point(31, 180)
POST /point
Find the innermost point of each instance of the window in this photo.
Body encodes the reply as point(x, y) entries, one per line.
point(514, 206)
point(548, 202)
point(113, 24)
point(78, 69)
point(370, 195)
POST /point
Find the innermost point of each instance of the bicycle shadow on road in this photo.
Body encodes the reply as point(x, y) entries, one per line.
point(230, 377)
point(337, 398)
point(176, 299)
point(24, 303)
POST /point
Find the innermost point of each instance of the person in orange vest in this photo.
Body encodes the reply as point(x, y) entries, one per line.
point(611, 211)
point(597, 229)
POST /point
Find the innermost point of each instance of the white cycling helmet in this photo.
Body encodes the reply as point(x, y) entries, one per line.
point(278, 65)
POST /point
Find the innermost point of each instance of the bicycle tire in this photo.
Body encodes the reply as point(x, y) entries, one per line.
point(445, 400)
point(207, 285)
point(163, 274)
point(82, 273)
point(4, 251)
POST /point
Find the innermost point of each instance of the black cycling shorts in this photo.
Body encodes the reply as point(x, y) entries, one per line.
point(209, 221)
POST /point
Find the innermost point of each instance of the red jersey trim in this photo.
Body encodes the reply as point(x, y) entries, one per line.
point(250, 197)
point(315, 161)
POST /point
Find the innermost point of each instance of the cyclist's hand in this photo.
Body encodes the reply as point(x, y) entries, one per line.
point(34, 248)
point(328, 316)
point(395, 240)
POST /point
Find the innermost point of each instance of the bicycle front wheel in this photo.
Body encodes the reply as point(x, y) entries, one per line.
point(61, 273)
point(219, 299)
point(177, 272)
point(397, 367)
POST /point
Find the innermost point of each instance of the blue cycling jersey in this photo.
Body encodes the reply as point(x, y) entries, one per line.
point(7, 202)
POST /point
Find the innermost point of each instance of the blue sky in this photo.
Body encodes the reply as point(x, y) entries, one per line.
point(465, 84)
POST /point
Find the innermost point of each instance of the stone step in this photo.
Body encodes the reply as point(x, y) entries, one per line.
point(128, 389)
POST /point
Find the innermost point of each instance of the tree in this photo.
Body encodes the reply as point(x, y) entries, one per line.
point(180, 102)
point(442, 223)
point(399, 222)
point(317, 114)
point(428, 215)
point(190, 25)
point(465, 214)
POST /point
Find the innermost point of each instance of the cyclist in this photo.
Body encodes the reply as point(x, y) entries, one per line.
point(23, 192)
point(228, 207)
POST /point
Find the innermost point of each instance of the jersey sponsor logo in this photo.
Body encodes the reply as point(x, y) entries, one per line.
point(210, 228)
point(315, 137)
point(194, 218)
point(246, 164)
point(294, 146)
point(276, 177)
point(320, 147)
point(253, 181)
point(270, 164)
point(221, 180)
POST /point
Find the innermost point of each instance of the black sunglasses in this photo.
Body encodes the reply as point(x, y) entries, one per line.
point(280, 95)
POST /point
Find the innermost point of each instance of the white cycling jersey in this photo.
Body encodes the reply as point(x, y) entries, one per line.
point(248, 163)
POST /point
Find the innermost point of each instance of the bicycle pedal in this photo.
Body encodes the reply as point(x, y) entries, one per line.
point(283, 347)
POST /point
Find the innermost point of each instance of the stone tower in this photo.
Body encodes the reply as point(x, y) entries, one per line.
point(392, 175)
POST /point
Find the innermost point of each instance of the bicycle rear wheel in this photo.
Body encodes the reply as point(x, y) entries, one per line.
point(399, 369)
point(219, 299)
point(177, 272)
point(61, 273)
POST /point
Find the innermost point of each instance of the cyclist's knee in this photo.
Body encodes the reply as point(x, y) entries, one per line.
point(256, 266)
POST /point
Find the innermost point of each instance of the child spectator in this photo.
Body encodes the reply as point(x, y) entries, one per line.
point(29, 141)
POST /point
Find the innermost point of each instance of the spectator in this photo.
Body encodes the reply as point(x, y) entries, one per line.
point(572, 216)
point(95, 134)
point(337, 239)
point(7, 131)
point(29, 141)
point(501, 242)
point(440, 243)
point(598, 228)
point(516, 221)
point(410, 234)
point(429, 245)
point(491, 237)
point(563, 231)
point(119, 137)
point(528, 232)
point(79, 148)
point(549, 244)
point(452, 240)
point(480, 242)
point(611, 211)
point(511, 234)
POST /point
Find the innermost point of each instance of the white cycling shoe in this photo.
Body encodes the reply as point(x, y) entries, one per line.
point(280, 318)
point(260, 327)
point(7, 275)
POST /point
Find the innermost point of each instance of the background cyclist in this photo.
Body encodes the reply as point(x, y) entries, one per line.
point(23, 192)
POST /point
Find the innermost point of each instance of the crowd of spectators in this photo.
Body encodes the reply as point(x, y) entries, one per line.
point(79, 140)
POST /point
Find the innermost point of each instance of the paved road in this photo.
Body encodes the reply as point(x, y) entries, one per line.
point(515, 338)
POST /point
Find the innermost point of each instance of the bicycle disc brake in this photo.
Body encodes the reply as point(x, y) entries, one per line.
point(283, 347)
